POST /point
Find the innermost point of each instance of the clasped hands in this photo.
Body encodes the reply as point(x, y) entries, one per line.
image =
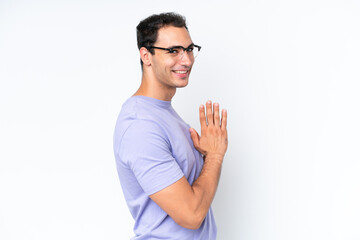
point(213, 141)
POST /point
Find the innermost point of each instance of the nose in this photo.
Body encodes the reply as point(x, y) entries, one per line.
point(186, 59)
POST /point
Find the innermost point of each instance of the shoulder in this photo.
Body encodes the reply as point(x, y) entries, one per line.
point(141, 134)
point(139, 107)
point(140, 123)
point(144, 128)
point(135, 114)
point(144, 141)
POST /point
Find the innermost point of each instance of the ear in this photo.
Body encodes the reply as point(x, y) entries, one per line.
point(145, 56)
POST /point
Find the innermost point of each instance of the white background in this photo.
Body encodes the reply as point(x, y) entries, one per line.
point(287, 72)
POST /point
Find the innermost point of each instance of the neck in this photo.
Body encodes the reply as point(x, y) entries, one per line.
point(150, 87)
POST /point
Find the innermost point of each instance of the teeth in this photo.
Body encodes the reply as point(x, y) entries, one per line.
point(179, 71)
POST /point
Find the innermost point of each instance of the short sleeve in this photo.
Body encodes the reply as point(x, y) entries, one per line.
point(147, 152)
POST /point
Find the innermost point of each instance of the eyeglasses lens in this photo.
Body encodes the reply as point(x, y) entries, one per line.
point(192, 52)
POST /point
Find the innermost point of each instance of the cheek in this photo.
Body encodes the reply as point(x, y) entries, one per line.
point(166, 63)
point(170, 63)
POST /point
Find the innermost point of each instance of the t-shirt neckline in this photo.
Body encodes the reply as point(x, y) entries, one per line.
point(157, 102)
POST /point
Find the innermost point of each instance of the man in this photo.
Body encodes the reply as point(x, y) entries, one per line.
point(169, 174)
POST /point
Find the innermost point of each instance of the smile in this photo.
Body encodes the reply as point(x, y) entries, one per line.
point(181, 71)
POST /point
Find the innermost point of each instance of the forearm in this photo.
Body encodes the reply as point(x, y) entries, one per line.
point(204, 188)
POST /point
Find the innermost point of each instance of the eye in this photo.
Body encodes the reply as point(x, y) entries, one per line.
point(174, 50)
point(190, 49)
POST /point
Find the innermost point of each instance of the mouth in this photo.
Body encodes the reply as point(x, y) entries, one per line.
point(181, 73)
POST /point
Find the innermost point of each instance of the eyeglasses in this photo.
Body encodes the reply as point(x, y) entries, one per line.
point(178, 51)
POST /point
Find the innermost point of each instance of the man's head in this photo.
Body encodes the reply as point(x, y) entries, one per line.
point(147, 30)
point(166, 50)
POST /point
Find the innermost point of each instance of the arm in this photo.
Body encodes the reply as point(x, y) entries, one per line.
point(188, 205)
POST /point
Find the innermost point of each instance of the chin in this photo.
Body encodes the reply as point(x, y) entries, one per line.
point(183, 83)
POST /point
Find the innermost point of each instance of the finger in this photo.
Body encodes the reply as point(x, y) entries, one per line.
point(216, 114)
point(223, 119)
point(202, 116)
point(195, 137)
point(209, 113)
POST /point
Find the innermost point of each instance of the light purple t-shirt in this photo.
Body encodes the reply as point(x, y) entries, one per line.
point(153, 149)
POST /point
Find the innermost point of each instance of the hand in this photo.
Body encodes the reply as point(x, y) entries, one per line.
point(214, 140)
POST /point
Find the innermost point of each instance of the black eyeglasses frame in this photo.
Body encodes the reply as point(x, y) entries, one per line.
point(171, 49)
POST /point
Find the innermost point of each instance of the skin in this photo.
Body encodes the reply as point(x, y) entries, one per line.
point(158, 80)
point(186, 204)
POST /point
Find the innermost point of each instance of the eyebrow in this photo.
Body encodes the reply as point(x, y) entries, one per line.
point(178, 46)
